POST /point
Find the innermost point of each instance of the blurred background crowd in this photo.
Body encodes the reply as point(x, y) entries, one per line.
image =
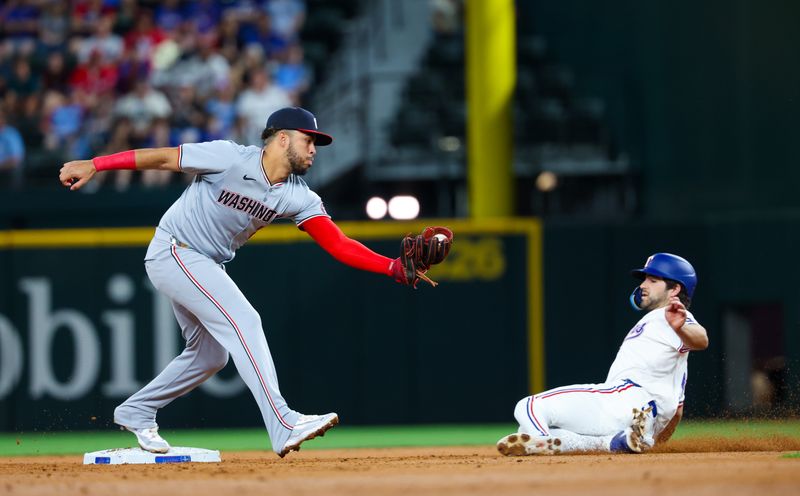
point(91, 77)
point(612, 110)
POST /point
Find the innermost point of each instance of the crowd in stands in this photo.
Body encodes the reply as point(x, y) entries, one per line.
point(83, 78)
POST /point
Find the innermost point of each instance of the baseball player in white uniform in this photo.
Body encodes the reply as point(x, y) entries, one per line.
point(641, 400)
point(236, 191)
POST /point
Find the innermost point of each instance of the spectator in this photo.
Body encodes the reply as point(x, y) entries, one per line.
point(12, 152)
point(97, 123)
point(144, 37)
point(204, 14)
point(259, 99)
point(168, 15)
point(22, 83)
point(95, 76)
point(126, 15)
point(103, 41)
point(239, 132)
point(70, 70)
point(87, 13)
point(130, 70)
point(29, 124)
point(56, 73)
point(228, 32)
point(222, 109)
point(251, 60)
point(187, 113)
point(53, 26)
point(20, 23)
point(446, 16)
point(261, 33)
point(142, 106)
point(119, 139)
point(287, 17)
point(63, 117)
point(293, 75)
point(160, 137)
point(204, 70)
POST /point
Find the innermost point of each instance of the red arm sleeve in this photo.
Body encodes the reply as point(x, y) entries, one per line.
point(346, 250)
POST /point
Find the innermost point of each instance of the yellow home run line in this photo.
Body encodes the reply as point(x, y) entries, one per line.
point(276, 233)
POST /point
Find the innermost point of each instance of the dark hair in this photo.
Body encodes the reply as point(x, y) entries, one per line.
point(268, 133)
point(683, 296)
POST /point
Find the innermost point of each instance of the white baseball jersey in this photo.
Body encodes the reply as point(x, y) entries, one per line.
point(231, 198)
point(653, 356)
point(649, 371)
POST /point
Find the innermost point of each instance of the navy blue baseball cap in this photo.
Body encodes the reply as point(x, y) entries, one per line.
point(301, 120)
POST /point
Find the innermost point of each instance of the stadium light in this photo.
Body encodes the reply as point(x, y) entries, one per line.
point(546, 181)
point(376, 208)
point(403, 207)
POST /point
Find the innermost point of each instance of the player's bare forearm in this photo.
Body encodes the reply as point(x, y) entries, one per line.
point(692, 334)
point(669, 430)
point(158, 158)
point(77, 173)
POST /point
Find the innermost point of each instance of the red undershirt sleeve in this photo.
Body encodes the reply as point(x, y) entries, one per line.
point(346, 250)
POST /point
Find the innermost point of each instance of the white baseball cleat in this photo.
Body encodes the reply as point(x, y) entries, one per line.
point(522, 444)
point(308, 427)
point(149, 440)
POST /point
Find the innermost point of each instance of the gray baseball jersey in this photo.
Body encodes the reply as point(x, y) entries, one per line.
point(229, 200)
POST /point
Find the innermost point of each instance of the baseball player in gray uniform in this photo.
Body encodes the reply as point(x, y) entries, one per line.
point(236, 191)
point(647, 379)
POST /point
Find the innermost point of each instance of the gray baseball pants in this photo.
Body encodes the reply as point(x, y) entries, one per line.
point(216, 320)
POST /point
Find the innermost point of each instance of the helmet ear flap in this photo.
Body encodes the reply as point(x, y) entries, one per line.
point(636, 299)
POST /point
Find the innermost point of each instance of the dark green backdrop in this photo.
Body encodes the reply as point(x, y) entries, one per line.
point(346, 341)
point(703, 96)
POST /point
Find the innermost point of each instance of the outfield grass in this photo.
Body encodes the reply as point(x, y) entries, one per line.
point(64, 443)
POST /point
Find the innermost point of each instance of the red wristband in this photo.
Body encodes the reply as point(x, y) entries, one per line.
point(121, 160)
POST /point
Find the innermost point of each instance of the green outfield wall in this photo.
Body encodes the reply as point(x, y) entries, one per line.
point(81, 328)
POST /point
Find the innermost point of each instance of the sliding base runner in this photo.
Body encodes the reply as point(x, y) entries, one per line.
point(121, 456)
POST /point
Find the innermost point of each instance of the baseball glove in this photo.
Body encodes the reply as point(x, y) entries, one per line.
point(418, 253)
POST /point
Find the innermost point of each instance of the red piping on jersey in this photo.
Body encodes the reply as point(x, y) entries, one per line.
point(261, 166)
point(238, 332)
point(615, 389)
point(346, 250)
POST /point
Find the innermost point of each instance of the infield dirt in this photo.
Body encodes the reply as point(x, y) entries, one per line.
point(706, 467)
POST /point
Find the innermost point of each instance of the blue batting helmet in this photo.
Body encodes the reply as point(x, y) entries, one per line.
point(666, 266)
